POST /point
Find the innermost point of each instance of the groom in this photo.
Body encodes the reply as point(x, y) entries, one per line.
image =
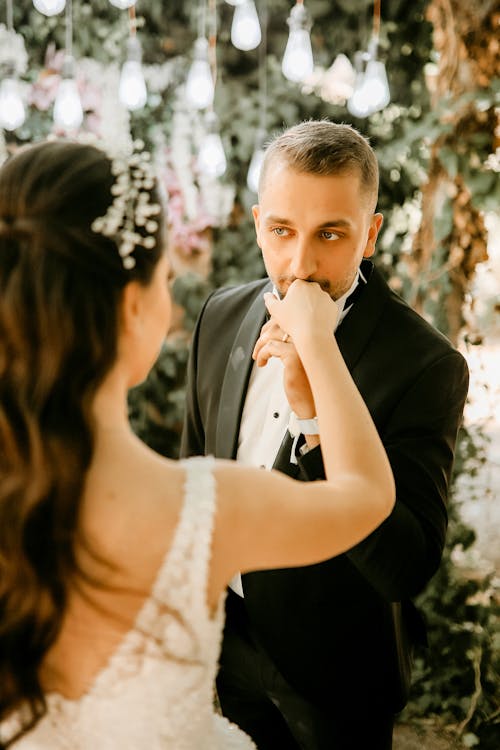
point(319, 657)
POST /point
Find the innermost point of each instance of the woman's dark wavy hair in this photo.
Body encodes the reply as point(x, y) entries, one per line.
point(60, 288)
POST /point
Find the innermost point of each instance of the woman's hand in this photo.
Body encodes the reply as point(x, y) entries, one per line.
point(306, 310)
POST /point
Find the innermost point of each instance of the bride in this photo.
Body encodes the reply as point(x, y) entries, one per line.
point(113, 560)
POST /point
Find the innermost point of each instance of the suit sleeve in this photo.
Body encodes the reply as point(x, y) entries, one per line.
point(400, 557)
point(193, 433)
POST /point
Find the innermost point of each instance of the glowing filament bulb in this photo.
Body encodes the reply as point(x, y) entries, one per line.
point(199, 83)
point(376, 86)
point(12, 113)
point(254, 169)
point(68, 112)
point(49, 7)
point(371, 91)
point(122, 4)
point(132, 91)
point(298, 62)
point(245, 29)
point(211, 157)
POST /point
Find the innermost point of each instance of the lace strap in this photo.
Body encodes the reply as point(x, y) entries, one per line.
point(182, 580)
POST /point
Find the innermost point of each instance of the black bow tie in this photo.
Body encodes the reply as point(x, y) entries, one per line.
point(282, 461)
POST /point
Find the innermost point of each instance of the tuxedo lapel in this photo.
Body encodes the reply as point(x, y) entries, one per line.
point(282, 461)
point(237, 374)
point(352, 337)
point(356, 330)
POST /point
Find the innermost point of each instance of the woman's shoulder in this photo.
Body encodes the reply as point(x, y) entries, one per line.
point(131, 506)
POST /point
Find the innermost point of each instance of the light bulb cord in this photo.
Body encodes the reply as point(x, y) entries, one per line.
point(263, 69)
point(212, 41)
point(376, 18)
point(10, 15)
point(202, 19)
point(132, 21)
point(69, 28)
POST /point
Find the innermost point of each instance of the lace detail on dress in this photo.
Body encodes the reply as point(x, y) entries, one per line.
point(156, 691)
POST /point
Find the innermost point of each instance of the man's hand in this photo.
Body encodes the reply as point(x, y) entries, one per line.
point(271, 343)
point(305, 311)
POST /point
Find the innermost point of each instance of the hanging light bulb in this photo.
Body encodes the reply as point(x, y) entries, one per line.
point(68, 112)
point(211, 157)
point(245, 29)
point(255, 166)
point(12, 113)
point(122, 4)
point(376, 87)
point(298, 61)
point(200, 84)
point(132, 91)
point(255, 169)
point(371, 91)
point(49, 7)
point(357, 104)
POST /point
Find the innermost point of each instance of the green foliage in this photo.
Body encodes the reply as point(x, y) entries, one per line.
point(237, 258)
point(466, 152)
point(457, 678)
point(157, 405)
point(189, 291)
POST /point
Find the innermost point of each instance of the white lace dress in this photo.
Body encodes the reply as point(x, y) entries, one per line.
point(157, 690)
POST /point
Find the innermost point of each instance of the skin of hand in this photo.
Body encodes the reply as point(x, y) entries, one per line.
point(296, 384)
point(304, 310)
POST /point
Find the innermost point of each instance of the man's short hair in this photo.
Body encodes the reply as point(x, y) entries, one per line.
point(325, 148)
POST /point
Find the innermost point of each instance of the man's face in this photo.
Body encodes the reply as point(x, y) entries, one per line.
point(314, 227)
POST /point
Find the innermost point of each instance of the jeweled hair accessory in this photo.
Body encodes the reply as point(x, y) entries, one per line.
point(131, 207)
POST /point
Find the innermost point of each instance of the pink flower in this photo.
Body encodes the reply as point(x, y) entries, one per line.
point(44, 91)
point(186, 235)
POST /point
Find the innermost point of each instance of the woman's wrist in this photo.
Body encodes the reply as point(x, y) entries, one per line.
point(311, 343)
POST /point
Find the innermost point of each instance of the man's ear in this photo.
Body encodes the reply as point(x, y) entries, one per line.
point(256, 219)
point(376, 222)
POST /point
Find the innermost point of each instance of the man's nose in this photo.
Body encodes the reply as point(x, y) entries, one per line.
point(303, 263)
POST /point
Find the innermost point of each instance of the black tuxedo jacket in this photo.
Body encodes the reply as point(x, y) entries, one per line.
point(340, 631)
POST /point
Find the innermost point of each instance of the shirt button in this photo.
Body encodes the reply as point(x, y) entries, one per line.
point(276, 414)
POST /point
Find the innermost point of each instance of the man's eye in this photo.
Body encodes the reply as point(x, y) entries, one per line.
point(330, 235)
point(280, 231)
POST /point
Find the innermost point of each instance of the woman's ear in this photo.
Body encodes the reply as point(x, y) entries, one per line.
point(131, 309)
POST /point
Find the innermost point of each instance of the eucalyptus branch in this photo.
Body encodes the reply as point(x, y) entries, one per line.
point(478, 689)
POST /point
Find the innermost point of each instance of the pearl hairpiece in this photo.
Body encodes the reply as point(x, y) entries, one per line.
point(131, 208)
